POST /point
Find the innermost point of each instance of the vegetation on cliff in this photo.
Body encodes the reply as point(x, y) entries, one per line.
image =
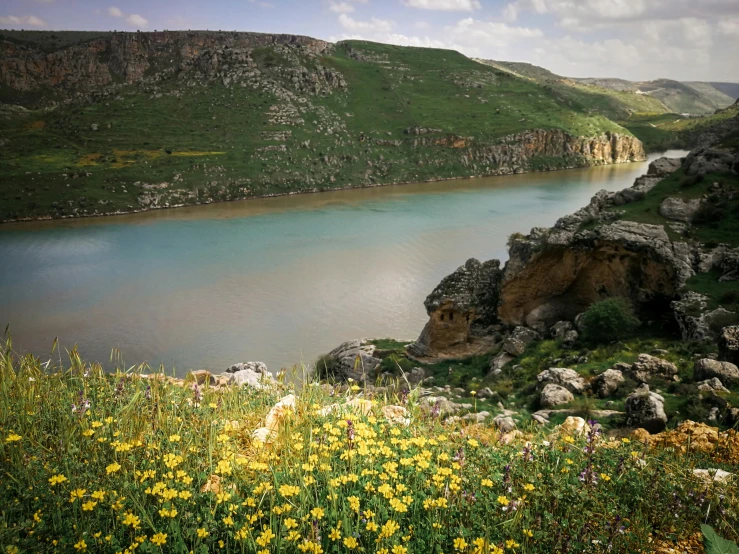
point(165, 119)
point(97, 462)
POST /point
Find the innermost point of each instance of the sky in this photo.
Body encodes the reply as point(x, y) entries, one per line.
point(631, 39)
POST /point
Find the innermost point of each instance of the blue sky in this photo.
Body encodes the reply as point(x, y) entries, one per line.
point(632, 39)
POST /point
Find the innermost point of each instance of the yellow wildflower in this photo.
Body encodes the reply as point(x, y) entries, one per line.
point(159, 539)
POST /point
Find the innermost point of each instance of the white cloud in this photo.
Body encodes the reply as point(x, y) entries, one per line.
point(444, 5)
point(729, 26)
point(136, 20)
point(133, 19)
point(423, 25)
point(22, 21)
point(341, 7)
point(374, 25)
point(510, 12)
point(478, 33)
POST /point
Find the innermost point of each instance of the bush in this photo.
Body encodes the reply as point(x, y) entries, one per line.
point(609, 320)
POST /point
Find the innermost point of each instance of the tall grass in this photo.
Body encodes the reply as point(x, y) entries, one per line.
point(115, 462)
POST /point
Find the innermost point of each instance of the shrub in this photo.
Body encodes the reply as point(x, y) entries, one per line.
point(609, 320)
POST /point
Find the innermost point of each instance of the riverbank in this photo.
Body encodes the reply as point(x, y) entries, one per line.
point(314, 191)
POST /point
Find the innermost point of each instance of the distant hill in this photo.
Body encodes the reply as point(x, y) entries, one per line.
point(694, 98)
point(729, 89)
point(118, 122)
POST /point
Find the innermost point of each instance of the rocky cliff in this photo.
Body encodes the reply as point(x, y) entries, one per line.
point(124, 57)
point(122, 122)
point(554, 274)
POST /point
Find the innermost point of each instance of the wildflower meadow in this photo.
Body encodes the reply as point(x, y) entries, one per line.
point(116, 463)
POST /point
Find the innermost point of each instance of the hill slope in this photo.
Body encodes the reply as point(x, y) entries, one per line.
point(128, 121)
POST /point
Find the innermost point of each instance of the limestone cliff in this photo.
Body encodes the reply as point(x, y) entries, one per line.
point(524, 151)
point(554, 274)
point(124, 57)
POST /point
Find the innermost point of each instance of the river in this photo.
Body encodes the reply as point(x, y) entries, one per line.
point(278, 280)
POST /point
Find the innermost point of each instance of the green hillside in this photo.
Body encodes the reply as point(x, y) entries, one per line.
point(275, 120)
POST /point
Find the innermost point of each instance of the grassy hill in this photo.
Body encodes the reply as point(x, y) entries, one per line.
point(273, 119)
point(694, 98)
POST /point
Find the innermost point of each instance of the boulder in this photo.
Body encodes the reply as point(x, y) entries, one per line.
point(574, 426)
point(355, 360)
point(707, 368)
point(201, 377)
point(554, 395)
point(441, 406)
point(486, 393)
point(250, 374)
point(504, 424)
point(397, 415)
point(279, 412)
point(559, 329)
point(728, 344)
point(567, 378)
point(664, 166)
point(478, 417)
point(710, 160)
point(520, 338)
point(713, 475)
point(678, 209)
point(415, 375)
point(648, 366)
point(646, 409)
point(499, 360)
point(712, 385)
point(570, 338)
point(607, 383)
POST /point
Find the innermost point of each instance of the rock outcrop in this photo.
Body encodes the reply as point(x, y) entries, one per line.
point(459, 308)
point(516, 153)
point(128, 57)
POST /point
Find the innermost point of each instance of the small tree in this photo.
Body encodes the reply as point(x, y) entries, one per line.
point(608, 320)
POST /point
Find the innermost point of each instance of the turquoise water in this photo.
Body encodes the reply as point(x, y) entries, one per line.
point(278, 280)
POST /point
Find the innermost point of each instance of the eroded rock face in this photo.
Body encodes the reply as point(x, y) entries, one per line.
point(125, 56)
point(557, 275)
point(464, 299)
point(646, 409)
point(514, 152)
